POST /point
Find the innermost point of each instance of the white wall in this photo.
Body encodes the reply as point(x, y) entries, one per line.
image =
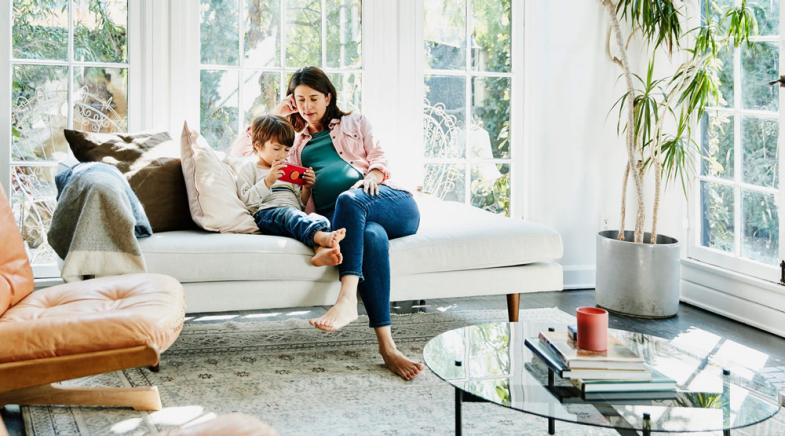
point(575, 157)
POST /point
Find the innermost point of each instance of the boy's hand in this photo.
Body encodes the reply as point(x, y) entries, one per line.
point(309, 178)
point(276, 172)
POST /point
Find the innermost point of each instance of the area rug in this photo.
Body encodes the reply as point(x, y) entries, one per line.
point(302, 382)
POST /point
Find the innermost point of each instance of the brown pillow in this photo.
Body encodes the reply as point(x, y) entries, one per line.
point(151, 163)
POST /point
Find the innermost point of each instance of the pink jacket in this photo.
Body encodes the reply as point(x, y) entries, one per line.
point(353, 140)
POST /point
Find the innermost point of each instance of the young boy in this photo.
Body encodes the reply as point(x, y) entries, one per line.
point(277, 206)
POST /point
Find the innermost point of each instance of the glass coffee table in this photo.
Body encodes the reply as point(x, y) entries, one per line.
point(490, 363)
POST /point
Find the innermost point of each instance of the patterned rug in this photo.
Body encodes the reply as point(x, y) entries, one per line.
point(303, 381)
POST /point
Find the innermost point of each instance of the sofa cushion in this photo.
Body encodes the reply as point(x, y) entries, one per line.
point(16, 275)
point(94, 315)
point(211, 187)
point(452, 237)
point(151, 163)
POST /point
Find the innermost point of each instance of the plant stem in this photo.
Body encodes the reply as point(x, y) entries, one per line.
point(631, 145)
point(620, 235)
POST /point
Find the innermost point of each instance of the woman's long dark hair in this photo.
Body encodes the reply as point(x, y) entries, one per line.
point(315, 78)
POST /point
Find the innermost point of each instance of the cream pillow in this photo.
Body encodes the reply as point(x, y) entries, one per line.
point(212, 191)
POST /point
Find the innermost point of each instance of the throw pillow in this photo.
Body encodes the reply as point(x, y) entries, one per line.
point(212, 190)
point(151, 164)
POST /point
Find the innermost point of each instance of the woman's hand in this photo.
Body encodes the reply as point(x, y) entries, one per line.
point(309, 177)
point(370, 184)
point(286, 107)
point(276, 172)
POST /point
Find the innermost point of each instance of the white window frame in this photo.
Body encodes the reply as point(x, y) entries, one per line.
point(240, 69)
point(392, 69)
point(516, 76)
point(136, 80)
point(733, 261)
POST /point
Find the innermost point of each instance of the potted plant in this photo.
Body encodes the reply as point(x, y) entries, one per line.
point(638, 271)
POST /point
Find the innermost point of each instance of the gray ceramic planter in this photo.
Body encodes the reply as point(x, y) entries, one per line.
point(638, 279)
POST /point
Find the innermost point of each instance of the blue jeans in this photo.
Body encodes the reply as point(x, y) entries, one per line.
point(370, 222)
point(292, 223)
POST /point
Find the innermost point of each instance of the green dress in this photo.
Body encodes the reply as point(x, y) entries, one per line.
point(333, 174)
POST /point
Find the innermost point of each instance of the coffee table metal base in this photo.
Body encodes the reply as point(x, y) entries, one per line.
point(465, 397)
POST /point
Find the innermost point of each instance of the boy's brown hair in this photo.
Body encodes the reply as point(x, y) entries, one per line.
point(271, 127)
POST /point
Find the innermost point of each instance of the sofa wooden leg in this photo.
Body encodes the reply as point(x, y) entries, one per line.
point(513, 303)
point(139, 398)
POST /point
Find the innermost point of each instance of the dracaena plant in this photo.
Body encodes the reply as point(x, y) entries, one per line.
point(657, 115)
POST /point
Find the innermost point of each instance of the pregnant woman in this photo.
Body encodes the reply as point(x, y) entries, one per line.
point(353, 187)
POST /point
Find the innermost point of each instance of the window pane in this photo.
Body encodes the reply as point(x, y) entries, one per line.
point(40, 30)
point(444, 116)
point(491, 187)
point(759, 141)
point(760, 240)
point(491, 35)
point(767, 13)
point(349, 89)
point(489, 136)
point(759, 66)
point(101, 30)
point(39, 112)
point(717, 145)
point(303, 33)
point(219, 34)
point(261, 93)
point(446, 181)
point(101, 99)
point(445, 34)
point(717, 216)
point(344, 33)
point(219, 107)
point(33, 195)
point(726, 78)
point(262, 33)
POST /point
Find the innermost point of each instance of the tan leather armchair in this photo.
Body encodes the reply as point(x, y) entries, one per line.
point(79, 329)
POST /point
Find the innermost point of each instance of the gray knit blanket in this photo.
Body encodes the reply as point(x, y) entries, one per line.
point(97, 222)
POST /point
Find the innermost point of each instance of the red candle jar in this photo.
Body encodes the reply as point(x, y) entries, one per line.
point(592, 328)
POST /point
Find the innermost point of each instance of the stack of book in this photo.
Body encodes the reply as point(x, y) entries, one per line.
point(616, 373)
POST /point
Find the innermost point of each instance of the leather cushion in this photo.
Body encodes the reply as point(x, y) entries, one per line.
point(16, 276)
point(151, 163)
point(94, 315)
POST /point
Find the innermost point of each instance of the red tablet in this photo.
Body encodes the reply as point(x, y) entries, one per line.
point(293, 174)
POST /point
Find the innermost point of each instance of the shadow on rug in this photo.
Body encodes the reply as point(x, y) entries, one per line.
point(303, 381)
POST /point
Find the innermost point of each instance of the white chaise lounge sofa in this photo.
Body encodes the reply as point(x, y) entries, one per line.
point(459, 251)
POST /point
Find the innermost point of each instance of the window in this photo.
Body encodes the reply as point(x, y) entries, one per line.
point(68, 68)
point(249, 48)
point(468, 95)
point(738, 187)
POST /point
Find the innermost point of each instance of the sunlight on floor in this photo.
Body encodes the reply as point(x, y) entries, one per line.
point(215, 318)
point(262, 315)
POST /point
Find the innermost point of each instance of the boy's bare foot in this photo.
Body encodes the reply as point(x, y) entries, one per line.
point(329, 239)
point(342, 313)
point(401, 365)
point(327, 256)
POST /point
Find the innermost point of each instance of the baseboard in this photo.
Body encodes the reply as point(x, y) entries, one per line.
point(739, 309)
point(579, 276)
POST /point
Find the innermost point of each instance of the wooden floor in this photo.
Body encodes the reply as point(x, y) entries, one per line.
point(689, 319)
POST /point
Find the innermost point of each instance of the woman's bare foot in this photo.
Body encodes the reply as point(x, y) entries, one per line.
point(329, 239)
point(327, 256)
point(342, 313)
point(401, 365)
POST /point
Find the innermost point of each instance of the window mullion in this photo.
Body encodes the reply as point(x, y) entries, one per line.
point(467, 102)
point(323, 37)
point(70, 58)
point(241, 13)
point(282, 25)
point(737, 154)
